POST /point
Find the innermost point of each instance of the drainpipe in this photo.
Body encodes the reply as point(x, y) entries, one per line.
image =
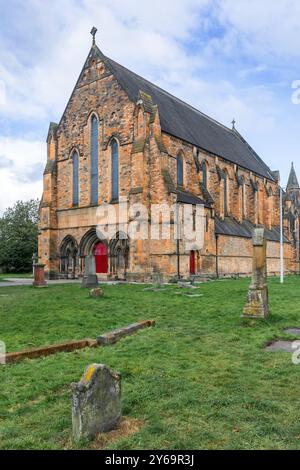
point(281, 238)
point(178, 260)
point(217, 256)
point(178, 241)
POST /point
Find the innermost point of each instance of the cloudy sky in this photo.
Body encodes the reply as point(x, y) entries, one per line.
point(228, 58)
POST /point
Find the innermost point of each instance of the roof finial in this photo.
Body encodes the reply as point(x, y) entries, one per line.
point(93, 33)
point(233, 124)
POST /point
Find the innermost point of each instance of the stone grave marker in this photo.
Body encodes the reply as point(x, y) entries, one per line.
point(292, 331)
point(96, 293)
point(90, 279)
point(258, 302)
point(96, 402)
point(157, 281)
point(39, 276)
point(281, 346)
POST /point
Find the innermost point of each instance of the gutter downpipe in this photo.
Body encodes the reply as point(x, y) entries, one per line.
point(217, 256)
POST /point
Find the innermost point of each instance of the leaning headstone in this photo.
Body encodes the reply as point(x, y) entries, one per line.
point(90, 278)
point(258, 302)
point(97, 292)
point(39, 276)
point(96, 404)
point(158, 279)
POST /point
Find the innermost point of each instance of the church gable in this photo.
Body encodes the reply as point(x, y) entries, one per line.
point(96, 91)
point(95, 68)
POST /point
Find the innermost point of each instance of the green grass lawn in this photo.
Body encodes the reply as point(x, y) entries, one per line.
point(199, 380)
point(6, 277)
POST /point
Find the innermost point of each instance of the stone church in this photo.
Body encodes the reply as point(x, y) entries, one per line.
point(122, 137)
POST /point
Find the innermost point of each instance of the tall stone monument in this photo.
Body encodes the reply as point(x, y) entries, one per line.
point(96, 403)
point(258, 300)
point(90, 279)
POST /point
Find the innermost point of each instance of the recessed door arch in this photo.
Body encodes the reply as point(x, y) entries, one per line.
point(100, 253)
point(192, 263)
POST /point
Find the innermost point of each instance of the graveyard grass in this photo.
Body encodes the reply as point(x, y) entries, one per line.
point(199, 380)
point(6, 277)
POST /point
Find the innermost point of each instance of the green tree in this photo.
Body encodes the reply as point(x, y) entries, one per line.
point(18, 236)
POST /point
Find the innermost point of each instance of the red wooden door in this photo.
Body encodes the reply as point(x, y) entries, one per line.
point(101, 258)
point(192, 263)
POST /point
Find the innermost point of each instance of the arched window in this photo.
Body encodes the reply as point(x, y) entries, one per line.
point(225, 196)
point(204, 175)
point(114, 170)
point(243, 199)
point(75, 159)
point(179, 170)
point(94, 160)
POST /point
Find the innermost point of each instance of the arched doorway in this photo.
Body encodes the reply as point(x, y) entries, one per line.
point(100, 253)
point(192, 263)
point(119, 255)
point(69, 258)
point(88, 244)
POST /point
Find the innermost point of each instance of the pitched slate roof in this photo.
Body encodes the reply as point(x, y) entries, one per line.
point(187, 123)
point(233, 228)
point(188, 198)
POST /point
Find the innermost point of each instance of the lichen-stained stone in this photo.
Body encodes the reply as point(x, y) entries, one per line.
point(95, 293)
point(90, 278)
point(96, 402)
point(258, 302)
point(39, 276)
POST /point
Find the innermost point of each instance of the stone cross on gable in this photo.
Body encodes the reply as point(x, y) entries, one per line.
point(93, 33)
point(233, 124)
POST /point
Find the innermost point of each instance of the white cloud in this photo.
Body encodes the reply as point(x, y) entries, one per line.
point(18, 161)
point(2, 93)
point(267, 28)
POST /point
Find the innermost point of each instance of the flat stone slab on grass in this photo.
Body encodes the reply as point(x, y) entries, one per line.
point(292, 331)
point(154, 289)
point(43, 351)
point(193, 295)
point(186, 286)
point(184, 294)
point(70, 346)
point(281, 346)
point(116, 335)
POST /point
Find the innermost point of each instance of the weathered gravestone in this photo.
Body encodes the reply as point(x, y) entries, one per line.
point(158, 279)
point(258, 300)
point(90, 278)
point(96, 293)
point(96, 404)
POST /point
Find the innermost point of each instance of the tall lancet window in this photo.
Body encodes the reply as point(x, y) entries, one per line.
point(204, 172)
point(243, 200)
point(179, 170)
point(114, 170)
point(225, 196)
point(94, 160)
point(75, 159)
